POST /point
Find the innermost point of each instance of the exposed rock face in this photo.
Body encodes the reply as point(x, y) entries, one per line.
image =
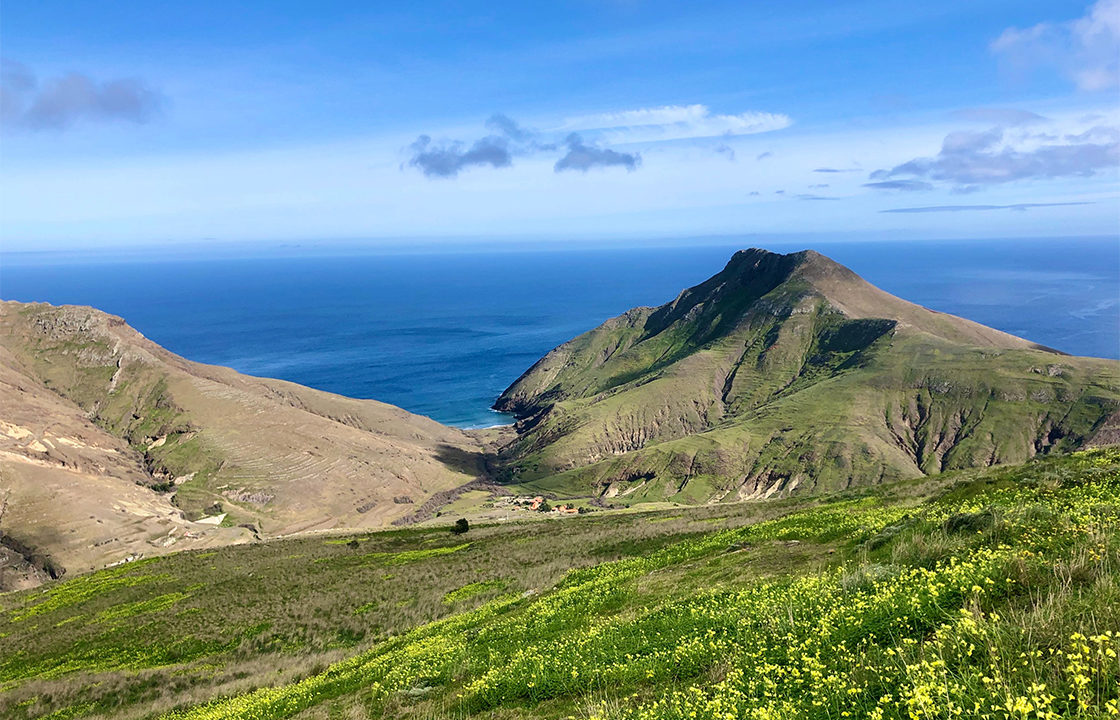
point(789, 372)
point(1107, 432)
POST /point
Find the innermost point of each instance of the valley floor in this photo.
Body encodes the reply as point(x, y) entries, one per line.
point(991, 593)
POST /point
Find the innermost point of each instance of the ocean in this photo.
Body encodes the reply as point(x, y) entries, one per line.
point(442, 333)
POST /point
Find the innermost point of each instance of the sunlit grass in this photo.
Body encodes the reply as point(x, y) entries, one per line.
point(989, 594)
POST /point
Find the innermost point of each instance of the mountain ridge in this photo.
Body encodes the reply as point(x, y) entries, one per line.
point(762, 350)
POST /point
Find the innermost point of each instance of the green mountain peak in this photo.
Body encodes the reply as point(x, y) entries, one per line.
point(785, 372)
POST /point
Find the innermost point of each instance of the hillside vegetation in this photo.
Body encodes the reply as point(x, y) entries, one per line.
point(978, 593)
point(780, 374)
point(789, 372)
point(113, 447)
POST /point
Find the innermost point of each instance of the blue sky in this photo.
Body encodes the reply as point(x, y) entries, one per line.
point(139, 123)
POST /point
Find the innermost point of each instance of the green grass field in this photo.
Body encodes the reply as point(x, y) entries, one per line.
point(989, 593)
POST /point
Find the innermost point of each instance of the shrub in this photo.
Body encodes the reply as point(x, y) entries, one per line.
point(969, 522)
point(461, 526)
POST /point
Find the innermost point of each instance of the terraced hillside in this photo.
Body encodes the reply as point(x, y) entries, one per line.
point(113, 447)
point(789, 372)
point(981, 593)
point(72, 496)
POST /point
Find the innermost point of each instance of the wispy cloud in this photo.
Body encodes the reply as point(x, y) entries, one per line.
point(834, 170)
point(998, 116)
point(1087, 50)
point(973, 208)
point(905, 185)
point(674, 122)
point(992, 157)
point(508, 127)
point(584, 157)
point(591, 147)
point(1097, 133)
point(60, 102)
point(587, 141)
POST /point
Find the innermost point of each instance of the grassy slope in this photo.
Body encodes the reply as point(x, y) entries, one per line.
point(987, 591)
point(756, 382)
point(917, 408)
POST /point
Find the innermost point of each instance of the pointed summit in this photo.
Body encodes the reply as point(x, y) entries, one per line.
point(795, 277)
point(784, 371)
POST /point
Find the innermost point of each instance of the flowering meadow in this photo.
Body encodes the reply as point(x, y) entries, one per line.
point(994, 595)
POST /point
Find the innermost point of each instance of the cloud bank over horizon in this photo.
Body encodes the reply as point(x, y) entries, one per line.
point(1019, 207)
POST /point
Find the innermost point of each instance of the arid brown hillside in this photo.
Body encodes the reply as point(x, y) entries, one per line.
point(111, 447)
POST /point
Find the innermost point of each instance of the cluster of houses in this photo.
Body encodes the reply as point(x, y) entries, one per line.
point(536, 504)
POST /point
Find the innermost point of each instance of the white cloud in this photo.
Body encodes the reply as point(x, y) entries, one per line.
point(664, 115)
point(674, 122)
point(1087, 49)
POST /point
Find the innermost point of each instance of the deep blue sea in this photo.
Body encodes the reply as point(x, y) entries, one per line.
point(442, 333)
